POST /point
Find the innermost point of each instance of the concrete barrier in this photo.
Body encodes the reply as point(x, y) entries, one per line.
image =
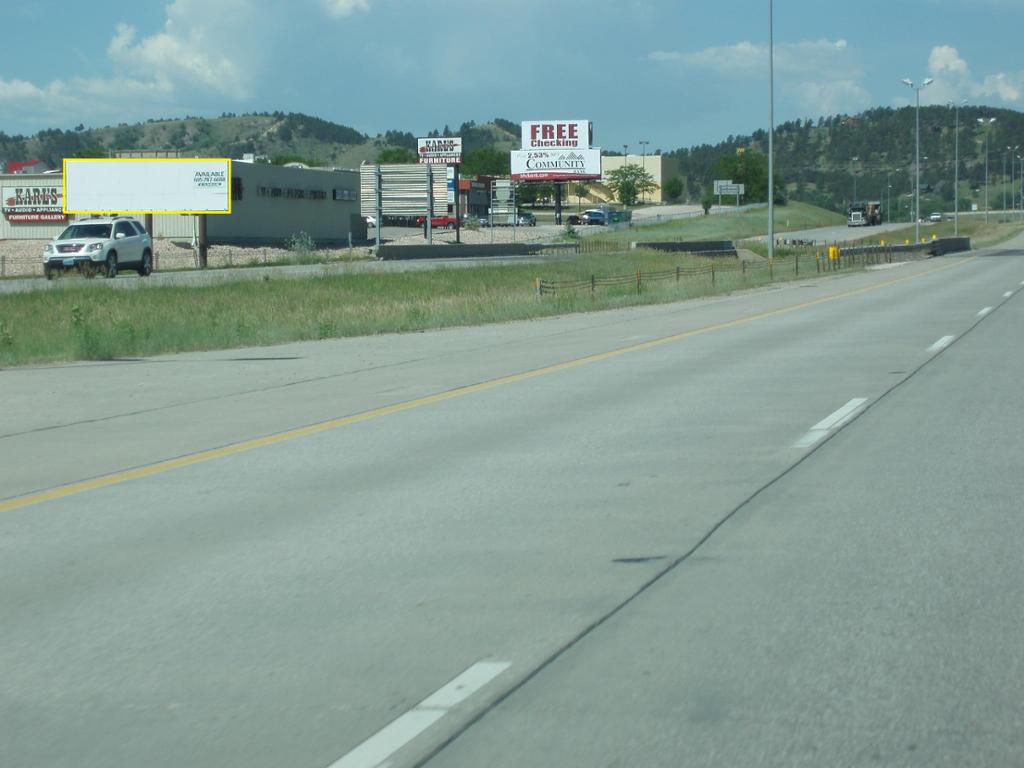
point(458, 251)
point(704, 247)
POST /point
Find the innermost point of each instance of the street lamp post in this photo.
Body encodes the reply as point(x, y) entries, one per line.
point(1012, 152)
point(917, 154)
point(956, 168)
point(986, 122)
point(771, 131)
point(643, 161)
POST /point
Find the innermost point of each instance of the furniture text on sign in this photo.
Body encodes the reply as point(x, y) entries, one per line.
point(440, 151)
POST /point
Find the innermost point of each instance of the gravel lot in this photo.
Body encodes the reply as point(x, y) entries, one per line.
point(23, 258)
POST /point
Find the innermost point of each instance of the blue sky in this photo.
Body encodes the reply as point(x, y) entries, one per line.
point(674, 72)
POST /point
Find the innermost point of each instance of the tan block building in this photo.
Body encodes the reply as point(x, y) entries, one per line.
point(661, 167)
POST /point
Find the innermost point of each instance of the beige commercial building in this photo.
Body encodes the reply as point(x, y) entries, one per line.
point(661, 167)
point(269, 204)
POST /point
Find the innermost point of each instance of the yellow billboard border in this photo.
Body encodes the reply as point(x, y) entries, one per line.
point(64, 183)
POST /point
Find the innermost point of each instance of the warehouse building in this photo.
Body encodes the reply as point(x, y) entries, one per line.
point(269, 204)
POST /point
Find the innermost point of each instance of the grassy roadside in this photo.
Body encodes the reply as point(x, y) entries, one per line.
point(81, 320)
point(727, 226)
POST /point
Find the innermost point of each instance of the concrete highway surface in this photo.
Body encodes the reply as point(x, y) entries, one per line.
point(779, 528)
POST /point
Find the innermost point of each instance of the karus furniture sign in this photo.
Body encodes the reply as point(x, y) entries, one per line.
point(33, 203)
point(556, 165)
point(557, 134)
point(440, 151)
point(150, 185)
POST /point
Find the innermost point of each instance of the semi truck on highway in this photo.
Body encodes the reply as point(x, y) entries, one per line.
point(865, 214)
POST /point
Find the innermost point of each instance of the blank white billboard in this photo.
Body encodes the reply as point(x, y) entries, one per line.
point(150, 185)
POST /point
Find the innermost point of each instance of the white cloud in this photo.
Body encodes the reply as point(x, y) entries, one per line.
point(205, 47)
point(945, 58)
point(821, 76)
point(745, 57)
point(954, 80)
point(342, 8)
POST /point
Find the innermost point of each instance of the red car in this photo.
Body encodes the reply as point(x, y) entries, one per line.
point(438, 222)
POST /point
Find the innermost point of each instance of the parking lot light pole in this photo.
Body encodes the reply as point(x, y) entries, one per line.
point(986, 122)
point(917, 153)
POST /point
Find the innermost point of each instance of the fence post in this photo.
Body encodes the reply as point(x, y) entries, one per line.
point(712, 274)
point(817, 263)
point(638, 282)
point(677, 273)
point(797, 260)
point(593, 284)
point(743, 268)
point(540, 291)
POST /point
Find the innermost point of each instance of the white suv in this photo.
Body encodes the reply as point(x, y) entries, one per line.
point(100, 245)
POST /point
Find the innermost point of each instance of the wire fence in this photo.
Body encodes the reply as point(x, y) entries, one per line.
point(833, 260)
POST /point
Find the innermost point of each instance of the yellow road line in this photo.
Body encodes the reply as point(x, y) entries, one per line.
point(313, 429)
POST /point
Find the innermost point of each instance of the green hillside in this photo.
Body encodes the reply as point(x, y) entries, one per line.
point(274, 135)
point(817, 161)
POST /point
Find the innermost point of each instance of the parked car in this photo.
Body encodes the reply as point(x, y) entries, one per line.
point(438, 222)
point(100, 245)
point(526, 219)
point(594, 217)
point(371, 221)
point(935, 217)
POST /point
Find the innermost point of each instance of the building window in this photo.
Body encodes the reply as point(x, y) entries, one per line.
point(317, 194)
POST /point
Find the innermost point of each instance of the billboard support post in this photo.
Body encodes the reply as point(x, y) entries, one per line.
point(458, 211)
point(379, 184)
point(558, 202)
point(204, 243)
point(428, 224)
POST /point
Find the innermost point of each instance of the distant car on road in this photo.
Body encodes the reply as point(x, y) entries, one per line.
point(527, 219)
point(100, 245)
point(594, 217)
point(438, 222)
point(935, 217)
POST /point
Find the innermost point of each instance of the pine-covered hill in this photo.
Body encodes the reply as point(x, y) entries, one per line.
point(277, 135)
point(819, 160)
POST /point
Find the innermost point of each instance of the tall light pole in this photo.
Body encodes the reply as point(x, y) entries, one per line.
point(1012, 152)
point(643, 161)
point(771, 131)
point(917, 154)
point(956, 167)
point(1002, 214)
point(986, 123)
